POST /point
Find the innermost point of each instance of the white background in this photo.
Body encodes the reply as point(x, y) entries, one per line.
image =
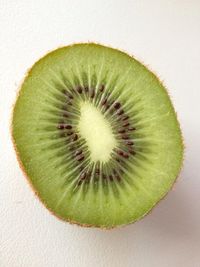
point(165, 35)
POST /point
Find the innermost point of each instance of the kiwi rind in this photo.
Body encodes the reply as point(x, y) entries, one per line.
point(39, 195)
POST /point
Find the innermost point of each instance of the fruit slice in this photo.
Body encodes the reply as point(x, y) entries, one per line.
point(96, 135)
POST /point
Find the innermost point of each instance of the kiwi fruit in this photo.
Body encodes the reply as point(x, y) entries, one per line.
point(97, 136)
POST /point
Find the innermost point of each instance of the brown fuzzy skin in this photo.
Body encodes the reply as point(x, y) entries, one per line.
point(29, 180)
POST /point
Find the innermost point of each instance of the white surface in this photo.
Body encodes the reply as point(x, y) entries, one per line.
point(166, 36)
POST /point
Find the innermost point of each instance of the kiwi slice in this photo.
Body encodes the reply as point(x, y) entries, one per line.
point(96, 135)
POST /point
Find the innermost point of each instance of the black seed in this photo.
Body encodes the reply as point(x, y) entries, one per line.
point(104, 101)
point(119, 152)
point(125, 136)
point(69, 133)
point(67, 126)
point(79, 89)
point(126, 124)
point(78, 152)
point(111, 177)
point(129, 143)
point(125, 118)
point(102, 87)
point(83, 176)
point(68, 94)
point(122, 154)
point(117, 105)
point(122, 131)
point(75, 137)
point(61, 126)
point(120, 112)
point(131, 128)
point(92, 93)
point(69, 103)
point(80, 157)
point(125, 155)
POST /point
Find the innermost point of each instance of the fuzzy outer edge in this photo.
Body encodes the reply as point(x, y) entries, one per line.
point(23, 168)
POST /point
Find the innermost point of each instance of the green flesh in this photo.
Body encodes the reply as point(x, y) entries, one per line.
point(117, 189)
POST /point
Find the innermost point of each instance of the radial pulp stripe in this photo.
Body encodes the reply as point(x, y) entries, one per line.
point(143, 152)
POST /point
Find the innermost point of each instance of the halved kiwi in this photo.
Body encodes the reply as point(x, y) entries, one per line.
point(97, 135)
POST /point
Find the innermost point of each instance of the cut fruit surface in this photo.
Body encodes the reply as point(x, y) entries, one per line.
point(97, 136)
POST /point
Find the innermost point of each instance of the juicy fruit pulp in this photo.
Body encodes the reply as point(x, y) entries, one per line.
point(97, 135)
